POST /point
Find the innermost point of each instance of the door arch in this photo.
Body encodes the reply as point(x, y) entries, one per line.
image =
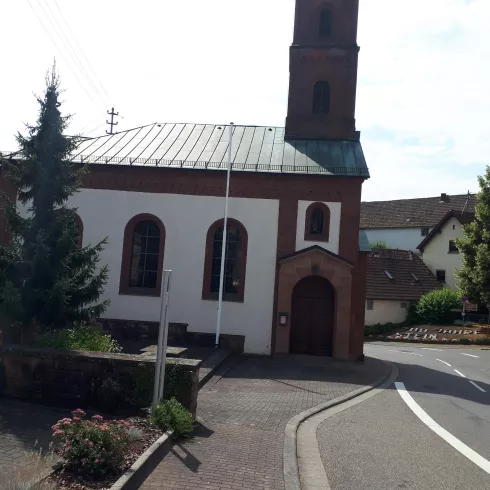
point(312, 317)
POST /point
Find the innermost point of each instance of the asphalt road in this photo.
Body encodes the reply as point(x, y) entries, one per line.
point(381, 444)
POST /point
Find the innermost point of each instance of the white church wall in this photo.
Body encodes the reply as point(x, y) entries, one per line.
point(187, 220)
point(333, 244)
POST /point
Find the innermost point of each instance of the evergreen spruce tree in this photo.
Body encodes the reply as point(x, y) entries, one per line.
point(474, 275)
point(46, 279)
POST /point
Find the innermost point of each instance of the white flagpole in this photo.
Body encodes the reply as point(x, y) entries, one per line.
point(223, 247)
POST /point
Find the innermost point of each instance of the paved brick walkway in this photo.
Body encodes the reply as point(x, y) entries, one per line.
point(24, 429)
point(239, 443)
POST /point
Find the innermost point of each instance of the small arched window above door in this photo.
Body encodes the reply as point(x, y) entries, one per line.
point(317, 222)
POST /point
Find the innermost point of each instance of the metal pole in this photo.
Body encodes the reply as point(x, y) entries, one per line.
point(158, 364)
point(223, 247)
point(166, 283)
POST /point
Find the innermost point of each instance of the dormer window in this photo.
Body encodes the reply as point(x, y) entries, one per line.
point(325, 29)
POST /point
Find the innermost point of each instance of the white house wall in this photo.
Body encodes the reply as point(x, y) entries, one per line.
point(436, 254)
point(334, 234)
point(386, 311)
point(401, 238)
point(187, 220)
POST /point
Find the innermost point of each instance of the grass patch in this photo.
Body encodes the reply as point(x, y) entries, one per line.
point(80, 337)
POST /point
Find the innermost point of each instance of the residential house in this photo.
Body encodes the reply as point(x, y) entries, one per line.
point(404, 223)
point(439, 251)
point(395, 280)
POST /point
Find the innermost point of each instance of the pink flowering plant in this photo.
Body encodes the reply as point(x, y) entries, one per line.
point(94, 446)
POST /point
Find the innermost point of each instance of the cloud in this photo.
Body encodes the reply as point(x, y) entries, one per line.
point(423, 75)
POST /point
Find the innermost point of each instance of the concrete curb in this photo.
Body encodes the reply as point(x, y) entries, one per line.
point(290, 452)
point(134, 476)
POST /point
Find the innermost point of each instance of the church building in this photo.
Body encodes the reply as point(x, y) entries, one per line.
point(295, 271)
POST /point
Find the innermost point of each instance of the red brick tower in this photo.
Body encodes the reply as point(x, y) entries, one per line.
point(323, 70)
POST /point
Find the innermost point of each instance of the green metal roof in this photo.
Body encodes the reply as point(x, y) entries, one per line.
point(204, 146)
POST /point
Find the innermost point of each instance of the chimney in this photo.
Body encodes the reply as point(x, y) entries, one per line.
point(445, 198)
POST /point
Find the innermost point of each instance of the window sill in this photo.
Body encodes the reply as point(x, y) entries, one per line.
point(227, 299)
point(316, 238)
point(453, 253)
point(154, 293)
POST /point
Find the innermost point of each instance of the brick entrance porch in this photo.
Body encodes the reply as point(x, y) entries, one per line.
point(338, 271)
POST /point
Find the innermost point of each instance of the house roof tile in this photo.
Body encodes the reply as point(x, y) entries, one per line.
point(410, 277)
point(413, 213)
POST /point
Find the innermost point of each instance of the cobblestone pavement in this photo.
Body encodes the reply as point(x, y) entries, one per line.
point(239, 443)
point(24, 429)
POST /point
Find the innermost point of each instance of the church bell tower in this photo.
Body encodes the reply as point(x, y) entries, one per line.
point(323, 70)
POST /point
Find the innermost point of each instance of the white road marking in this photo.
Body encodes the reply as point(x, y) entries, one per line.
point(460, 373)
point(405, 352)
point(430, 348)
point(446, 363)
point(469, 355)
point(473, 456)
point(476, 386)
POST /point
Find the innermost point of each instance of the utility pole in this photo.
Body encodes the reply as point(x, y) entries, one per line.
point(112, 123)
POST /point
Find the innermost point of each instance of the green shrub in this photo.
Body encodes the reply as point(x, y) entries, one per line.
point(464, 340)
point(381, 328)
point(80, 337)
point(436, 306)
point(177, 380)
point(171, 415)
point(94, 447)
point(483, 341)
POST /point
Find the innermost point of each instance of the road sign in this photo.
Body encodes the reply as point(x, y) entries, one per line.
point(464, 299)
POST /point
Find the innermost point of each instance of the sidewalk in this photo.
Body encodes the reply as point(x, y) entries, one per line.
point(25, 430)
point(239, 443)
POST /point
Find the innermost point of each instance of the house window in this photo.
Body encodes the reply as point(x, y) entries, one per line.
point(325, 23)
point(441, 275)
point(424, 231)
point(235, 261)
point(317, 222)
point(142, 261)
point(370, 304)
point(454, 227)
point(452, 247)
point(321, 98)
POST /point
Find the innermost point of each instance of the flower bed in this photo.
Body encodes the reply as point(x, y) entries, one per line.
point(436, 334)
point(95, 452)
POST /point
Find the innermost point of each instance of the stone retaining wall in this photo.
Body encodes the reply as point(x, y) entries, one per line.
point(178, 334)
point(93, 380)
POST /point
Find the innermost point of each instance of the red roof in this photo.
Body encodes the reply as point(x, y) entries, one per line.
point(413, 213)
point(398, 275)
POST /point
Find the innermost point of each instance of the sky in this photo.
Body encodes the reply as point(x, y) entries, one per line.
point(422, 98)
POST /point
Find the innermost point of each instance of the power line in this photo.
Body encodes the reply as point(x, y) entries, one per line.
point(81, 50)
point(61, 54)
point(67, 46)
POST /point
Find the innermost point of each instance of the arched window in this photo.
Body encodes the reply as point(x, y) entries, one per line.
point(317, 222)
point(321, 98)
point(235, 261)
point(325, 28)
point(142, 260)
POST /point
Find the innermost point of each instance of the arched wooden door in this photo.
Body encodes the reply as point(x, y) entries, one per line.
point(312, 317)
